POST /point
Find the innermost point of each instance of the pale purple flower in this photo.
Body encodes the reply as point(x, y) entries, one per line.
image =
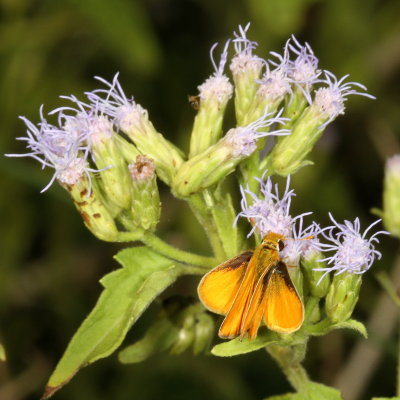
point(217, 86)
point(270, 213)
point(303, 70)
point(243, 139)
point(59, 148)
point(354, 253)
point(112, 101)
point(330, 100)
point(244, 61)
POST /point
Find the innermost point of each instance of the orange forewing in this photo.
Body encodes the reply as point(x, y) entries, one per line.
point(252, 286)
point(218, 288)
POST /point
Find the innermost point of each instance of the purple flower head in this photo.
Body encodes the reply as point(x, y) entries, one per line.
point(62, 149)
point(354, 253)
point(244, 138)
point(113, 102)
point(217, 85)
point(303, 70)
point(330, 100)
point(271, 212)
point(244, 60)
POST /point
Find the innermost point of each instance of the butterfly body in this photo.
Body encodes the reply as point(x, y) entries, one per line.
point(252, 287)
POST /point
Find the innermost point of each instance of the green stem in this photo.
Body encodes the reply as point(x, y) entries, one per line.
point(288, 360)
point(205, 218)
point(157, 244)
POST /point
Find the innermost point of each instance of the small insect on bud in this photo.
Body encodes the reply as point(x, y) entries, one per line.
point(391, 196)
point(146, 206)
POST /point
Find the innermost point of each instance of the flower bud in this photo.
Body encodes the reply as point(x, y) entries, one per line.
point(133, 121)
point(391, 196)
point(289, 154)
point(246, 69)
point(219, 160)
point(185, 335)
point(342, 296)
point(214, 95)
point(112, 167)
point(89, 203)
point(317, 284)
point(203, 332)
point(145, 208)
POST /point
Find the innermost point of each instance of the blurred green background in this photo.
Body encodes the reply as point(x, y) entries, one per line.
point(50, 264)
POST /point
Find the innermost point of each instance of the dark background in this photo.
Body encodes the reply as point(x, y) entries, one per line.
point(50, 264)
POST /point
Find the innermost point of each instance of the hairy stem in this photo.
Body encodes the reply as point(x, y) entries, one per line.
point(289, 360)
point(205, 218)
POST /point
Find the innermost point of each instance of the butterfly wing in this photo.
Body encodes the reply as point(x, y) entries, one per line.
point(231, 326)
point(218, 288)
point(284, 310)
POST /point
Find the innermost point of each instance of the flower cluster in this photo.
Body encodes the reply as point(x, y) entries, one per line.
point(106, 152)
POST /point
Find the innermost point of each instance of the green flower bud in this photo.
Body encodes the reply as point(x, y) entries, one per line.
point(112, 167)
point(203, 332)
point(288, 155)
point(185, 335)
point(391, 196)
point(89, 203)
point(342, 296)
point(219, 160)
point(246, 69)
point(290, 152)
point(317, 285)
point(146, 206)
point(128, 150)
point(214, 95)
point(134, 122)
point(294, 107)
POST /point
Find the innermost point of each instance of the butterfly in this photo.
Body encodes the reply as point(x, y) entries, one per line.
point(252, 287)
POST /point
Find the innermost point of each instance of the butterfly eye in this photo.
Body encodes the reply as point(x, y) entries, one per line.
point(281, 245)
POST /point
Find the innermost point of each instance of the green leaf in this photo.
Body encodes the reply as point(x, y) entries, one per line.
point(127, 293)
point(236, 346)
point(325, 326)
point(311, 391)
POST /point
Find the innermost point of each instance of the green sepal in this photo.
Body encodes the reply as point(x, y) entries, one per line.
point(127, 292)
point(311, 391)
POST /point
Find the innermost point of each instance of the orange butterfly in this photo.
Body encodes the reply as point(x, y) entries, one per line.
point(253, 286)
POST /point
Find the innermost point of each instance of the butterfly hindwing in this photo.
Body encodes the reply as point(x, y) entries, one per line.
point(284, 311)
